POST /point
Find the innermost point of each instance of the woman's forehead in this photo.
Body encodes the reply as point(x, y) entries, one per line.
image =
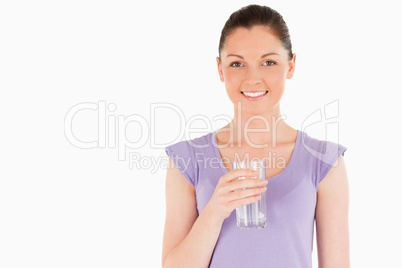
point(254, 40)
point(257, 34)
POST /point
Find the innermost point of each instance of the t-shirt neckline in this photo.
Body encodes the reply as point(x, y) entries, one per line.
point(282, 173)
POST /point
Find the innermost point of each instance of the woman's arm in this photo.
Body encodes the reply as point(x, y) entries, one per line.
point(332, 227)
point(188, 240)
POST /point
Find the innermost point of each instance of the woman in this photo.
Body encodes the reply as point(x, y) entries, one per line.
point(306, 177)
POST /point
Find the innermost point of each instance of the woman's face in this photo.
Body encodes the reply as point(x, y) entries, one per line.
point(255, 61)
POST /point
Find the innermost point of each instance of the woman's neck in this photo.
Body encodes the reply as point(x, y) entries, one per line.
point(256, 131)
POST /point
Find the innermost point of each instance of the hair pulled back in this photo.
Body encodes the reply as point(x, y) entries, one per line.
point(253, 15)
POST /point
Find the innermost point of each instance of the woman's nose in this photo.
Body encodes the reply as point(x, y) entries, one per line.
point(253, 76)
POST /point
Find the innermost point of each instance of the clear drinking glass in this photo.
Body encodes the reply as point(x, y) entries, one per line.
point(252, 215)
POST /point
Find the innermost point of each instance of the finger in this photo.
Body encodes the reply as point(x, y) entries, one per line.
point(236, 173)
point(246, 183)
point(244, 201)
point(246, 193)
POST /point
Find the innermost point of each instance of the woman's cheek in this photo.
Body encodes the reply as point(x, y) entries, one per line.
point(275, 78)
point(232, 78)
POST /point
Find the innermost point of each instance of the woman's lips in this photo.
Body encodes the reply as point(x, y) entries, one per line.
point(250, 98)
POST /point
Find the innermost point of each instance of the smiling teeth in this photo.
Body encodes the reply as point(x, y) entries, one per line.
point(256, 94)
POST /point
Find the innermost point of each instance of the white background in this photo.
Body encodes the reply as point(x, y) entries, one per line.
point(65, 206)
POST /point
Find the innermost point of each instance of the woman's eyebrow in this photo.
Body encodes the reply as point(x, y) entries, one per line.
point(264, 55)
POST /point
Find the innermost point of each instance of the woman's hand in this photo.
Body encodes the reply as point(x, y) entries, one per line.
point(231, 193)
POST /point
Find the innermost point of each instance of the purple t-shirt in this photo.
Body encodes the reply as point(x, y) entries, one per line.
point(287, 239)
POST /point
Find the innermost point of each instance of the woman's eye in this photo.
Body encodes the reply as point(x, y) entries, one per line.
point(269, 63)
point(238, 64)
point(235, 64)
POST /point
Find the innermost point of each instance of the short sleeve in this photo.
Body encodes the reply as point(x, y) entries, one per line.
point(182, 155)
point(330, 153)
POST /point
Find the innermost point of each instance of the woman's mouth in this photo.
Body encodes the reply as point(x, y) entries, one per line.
point(254, 96)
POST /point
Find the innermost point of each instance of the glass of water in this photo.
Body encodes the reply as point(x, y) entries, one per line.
point(252, 215)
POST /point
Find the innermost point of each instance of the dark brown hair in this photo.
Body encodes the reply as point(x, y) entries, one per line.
point(253, 15)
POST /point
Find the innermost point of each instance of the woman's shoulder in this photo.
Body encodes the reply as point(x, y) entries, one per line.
point(317, 144)
point(319, 155)
point(190, 148)
point(320, 149)
point(185, 153)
